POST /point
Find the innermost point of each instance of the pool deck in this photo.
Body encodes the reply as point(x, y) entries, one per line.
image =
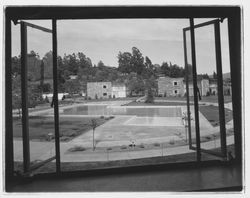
point(120, 131)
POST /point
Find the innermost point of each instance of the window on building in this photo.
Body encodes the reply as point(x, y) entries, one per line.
point(176, 91)
point(104, 86)
point(104, 94)
point(175, 83)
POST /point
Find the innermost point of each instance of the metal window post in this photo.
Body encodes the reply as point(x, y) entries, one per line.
point(234, 36)
point(55, 96)
point(187, 89)
point(196, 104)
point(9, 154)
point(24, 89)
point(223, 137)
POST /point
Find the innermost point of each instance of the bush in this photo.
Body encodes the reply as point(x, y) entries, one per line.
point(96, 97)
point(156, 144)
point(123, 147)
point(150, 97)
point(77, 148)
point(172, 142)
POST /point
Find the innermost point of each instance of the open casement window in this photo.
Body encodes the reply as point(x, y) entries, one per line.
point(33, 92)
point(199, 130)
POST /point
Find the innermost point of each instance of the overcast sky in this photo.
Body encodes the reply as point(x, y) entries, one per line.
point(159, 39)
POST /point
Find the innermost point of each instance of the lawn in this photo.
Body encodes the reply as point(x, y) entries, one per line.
point(156, 104)
point(214, 99)
point(211, 113)
point(69, 127)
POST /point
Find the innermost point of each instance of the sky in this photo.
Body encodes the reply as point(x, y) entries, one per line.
point(159, 39)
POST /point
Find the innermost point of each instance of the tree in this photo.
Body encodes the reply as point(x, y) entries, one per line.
point(148, 63)
point(16, 65)
point(165, 69)
point(149, 69)
point(93, 125)
point(176, 71)
point(72, 87)
point(131, 62)
point(205, 76)
point(48, 65)
point(137, 61)
point(71, 63)
point(60, 74)
point(100, 65)
point(124, 62)
point(33, 66)
point(46, 87)
point(150, 86)
point(214, 75)
point(84, 61)
point(16, 94)
point(136, 85)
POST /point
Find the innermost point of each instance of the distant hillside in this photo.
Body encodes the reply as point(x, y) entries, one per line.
point(225, 75)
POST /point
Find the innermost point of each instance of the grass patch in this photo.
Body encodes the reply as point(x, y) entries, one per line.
point(214, 99)
point(211, 113)
point(70, 127)
point(156, 104)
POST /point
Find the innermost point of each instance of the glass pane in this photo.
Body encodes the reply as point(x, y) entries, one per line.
point(40, 93)
point(16, 100)
point(189, 77)
point(208, 89)
point(99, 87)
point(227, 89)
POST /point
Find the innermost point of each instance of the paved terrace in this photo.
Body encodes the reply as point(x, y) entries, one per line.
point(120, 131)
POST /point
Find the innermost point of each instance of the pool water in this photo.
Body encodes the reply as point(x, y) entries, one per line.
point(121, 110)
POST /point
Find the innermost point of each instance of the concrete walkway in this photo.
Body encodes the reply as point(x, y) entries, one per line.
point(45, 150)
point(38, 153)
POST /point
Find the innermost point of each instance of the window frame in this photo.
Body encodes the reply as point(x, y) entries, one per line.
point(15, 13)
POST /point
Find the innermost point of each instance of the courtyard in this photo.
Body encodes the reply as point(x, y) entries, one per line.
point(124, 130)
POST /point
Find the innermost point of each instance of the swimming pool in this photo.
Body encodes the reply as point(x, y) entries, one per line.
point(123, 110)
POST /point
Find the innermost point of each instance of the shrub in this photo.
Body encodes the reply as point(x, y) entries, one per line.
point(77, 149)
point(156, 144)
point(150, 97)
point(96, 97)
point(172, 142)
point(123, 147)
point(208, 138)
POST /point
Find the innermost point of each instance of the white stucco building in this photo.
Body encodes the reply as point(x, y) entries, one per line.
point(118, 90)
